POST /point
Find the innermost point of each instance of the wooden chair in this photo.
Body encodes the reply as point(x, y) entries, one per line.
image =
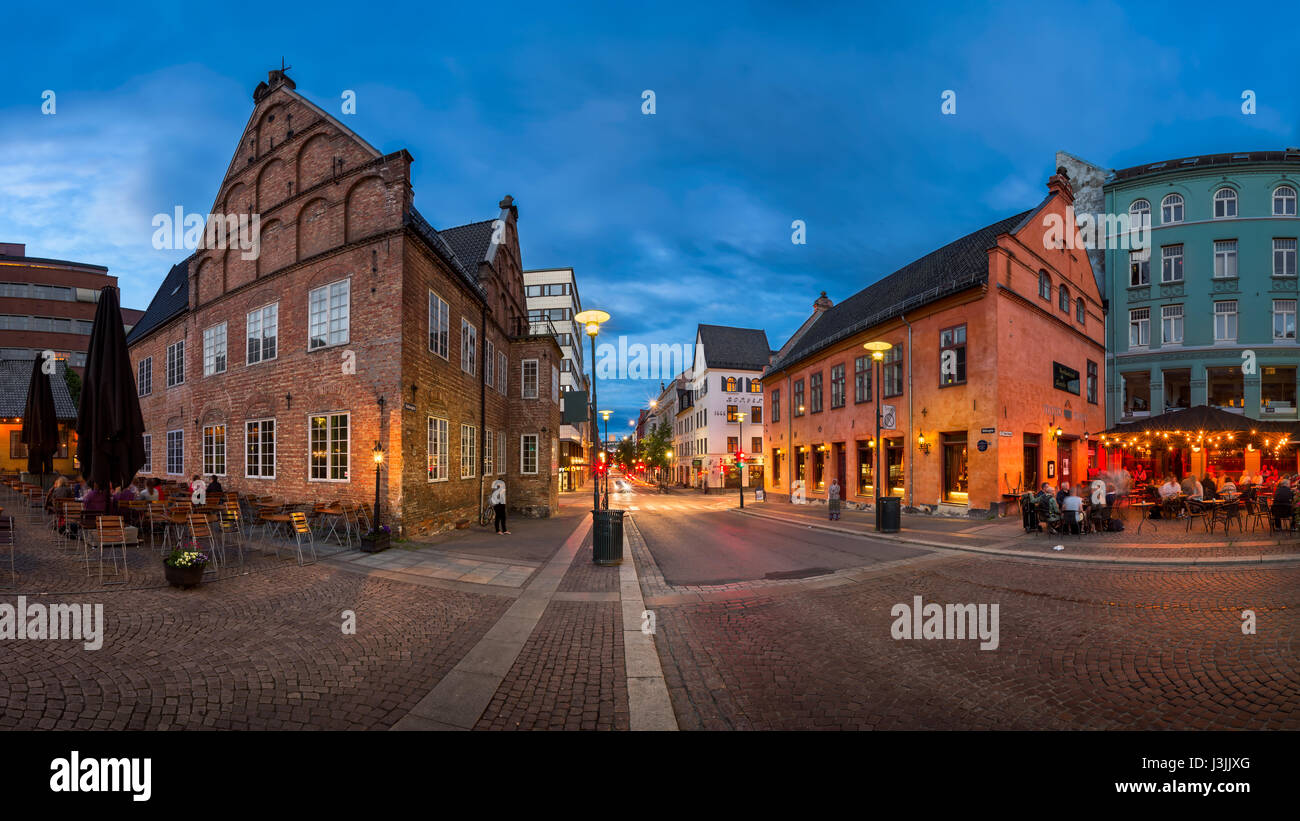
point(110, 534)
point(35, 505)
point(301, 532)
point(200, 532)
point(67, 515)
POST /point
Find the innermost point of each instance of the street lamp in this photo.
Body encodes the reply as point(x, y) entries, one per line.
point(740, 461)
point(877, 349)
point(604, 415)
point(592, 320)
point(378, 455)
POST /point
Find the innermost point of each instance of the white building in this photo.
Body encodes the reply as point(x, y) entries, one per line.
point(722, 383)
point(552, 296)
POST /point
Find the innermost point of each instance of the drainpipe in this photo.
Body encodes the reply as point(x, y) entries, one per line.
point(911, 406)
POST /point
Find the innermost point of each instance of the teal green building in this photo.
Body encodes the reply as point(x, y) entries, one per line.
point(1206, 315)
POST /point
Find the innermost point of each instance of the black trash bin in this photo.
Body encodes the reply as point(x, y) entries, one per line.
point(607, 537)
point(889, 514)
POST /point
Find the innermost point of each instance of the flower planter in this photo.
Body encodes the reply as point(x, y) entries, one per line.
point(183, 577)
point(374, 542)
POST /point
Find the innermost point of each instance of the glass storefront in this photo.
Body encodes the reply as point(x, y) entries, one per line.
point(1137, 392)
point(1277, 391)
point(1226, 388)
point(1178, 389)
point(866, 466)
point(894, 466)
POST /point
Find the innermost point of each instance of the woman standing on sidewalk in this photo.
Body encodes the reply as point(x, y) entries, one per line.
point(498, 502)
point(833, 499)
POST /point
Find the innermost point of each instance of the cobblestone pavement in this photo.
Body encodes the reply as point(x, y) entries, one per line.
point(1080, 648)
point(260, 651)
point(571, 674)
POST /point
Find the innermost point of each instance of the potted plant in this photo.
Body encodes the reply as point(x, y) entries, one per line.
point(184, 566)
point(376, 540)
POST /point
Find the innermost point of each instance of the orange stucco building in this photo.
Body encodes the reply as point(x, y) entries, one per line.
point(993, 383)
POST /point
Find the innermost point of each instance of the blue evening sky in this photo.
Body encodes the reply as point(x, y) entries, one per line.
point(766, 113)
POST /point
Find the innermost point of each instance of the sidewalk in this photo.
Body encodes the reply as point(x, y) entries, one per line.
point(1168, 542)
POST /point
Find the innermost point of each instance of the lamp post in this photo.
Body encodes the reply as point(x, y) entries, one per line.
point(592, 320)
point(378, 455)
point(604, 416)
point(740, 458)
point(877, 349)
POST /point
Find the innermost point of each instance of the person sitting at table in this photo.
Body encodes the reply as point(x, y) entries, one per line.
point(150, 492)
point(1072, 510)
point(1062, 493)
point(1190, 485)
point(1283, 503)
point(95, 500)
point(126, 494)
point(214, 486)
point(1169, 488)
point(1209, 488)
point(61, 490)
point(1228, 486)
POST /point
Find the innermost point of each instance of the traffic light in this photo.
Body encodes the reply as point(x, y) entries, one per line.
point(740, 457)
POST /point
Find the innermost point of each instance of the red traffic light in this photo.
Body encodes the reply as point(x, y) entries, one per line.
point(740, 456)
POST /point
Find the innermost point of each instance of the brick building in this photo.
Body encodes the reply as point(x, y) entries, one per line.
point(356, 324)
point(49, 304)
point(1019, 320)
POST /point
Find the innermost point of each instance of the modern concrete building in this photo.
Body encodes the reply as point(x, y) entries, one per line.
point(552, 297)
point(49, 304)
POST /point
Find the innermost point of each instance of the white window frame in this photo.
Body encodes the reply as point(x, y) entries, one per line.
point(209, 458)
point(523, 453)
point(1171, 262)
point(326, 318)
point(144, 377)
point(468, 451)
point(1225, 321)
point(167, 456)
point(1172, 209)
point(1171, 317)
point(1284, 252)
point(1139, 214)
point(1141, 317)
point(468, 347)
point(1225, 203)
point(1282, 195)
point(489, 452)
point(147, 467)
point(523, 378)
point(215, 349)
point(439, 325)
point(328, 416)
point(1283, 308)
point(437, 460)
point(267, 316)
point(489, 362)
point(503, 372)
point(256, 440)
point(1225, 259)
point(1139, 257)
point(176, 363)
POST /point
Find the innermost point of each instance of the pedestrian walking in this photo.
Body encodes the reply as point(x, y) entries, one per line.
point(498, 502)
point(833, 499)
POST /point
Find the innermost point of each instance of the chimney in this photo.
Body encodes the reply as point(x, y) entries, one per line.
point(1059, 184)
point(508, 204)
point(823, 303)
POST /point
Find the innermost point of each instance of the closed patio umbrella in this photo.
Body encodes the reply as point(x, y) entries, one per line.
point(40, 431)
point(110, 428)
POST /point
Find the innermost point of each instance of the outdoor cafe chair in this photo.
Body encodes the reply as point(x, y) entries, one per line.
point(67, 514)
point(35, 505)
point(232, 521)
point(1196, 509)
point(109, 534)
point(1282, 515)
point(1226, 512)
point(1256, 512)
point(8, 540)
point(201, 532)
point(301, 533)
point(1046, 516)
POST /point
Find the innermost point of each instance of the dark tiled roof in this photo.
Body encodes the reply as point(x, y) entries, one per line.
point(16, 378)
point(1202, 417)
point(1291, 155)
point(460, 259)
point(740, 349)
point(954, 267)
point(172, 298)
point(470, 242)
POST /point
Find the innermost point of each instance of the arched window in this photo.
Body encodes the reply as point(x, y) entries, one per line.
point(1171, 209)
point(1225, 203)
point(1284, 201)
point(1064, 300)
point(1139, 213)
point(731, 384)
point(1044, 286)
point(755, 386)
